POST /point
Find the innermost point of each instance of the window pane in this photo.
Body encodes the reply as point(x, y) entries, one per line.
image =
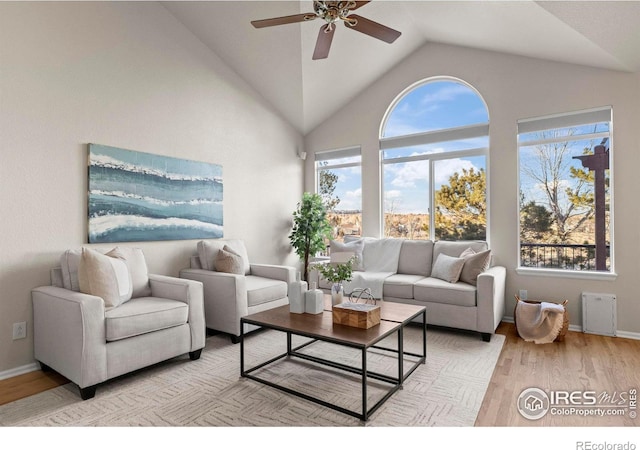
point(341, 190)
point(570, 133)
point(560, 220)
point(440, 147)
point(435, 105)
point(460, 199)
point(406, 200)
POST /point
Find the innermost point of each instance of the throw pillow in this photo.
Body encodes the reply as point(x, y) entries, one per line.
point(229, 261)
point(208, 252)
point(468, 252)
point(137, 264)
point(447, 268)
point(474, 265)
point(104, 277)
point(355, 247)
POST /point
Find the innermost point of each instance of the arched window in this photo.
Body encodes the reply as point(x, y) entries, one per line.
point(434, 143)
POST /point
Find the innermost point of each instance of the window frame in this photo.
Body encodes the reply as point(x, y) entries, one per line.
point(564, 121)
point(332, 155)
point(431, 137)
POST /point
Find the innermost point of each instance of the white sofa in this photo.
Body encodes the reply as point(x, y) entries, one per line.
point(463, 305)
point(89, 341)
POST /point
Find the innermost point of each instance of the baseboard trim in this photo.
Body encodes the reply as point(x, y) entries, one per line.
point(619, 333)
point(19, 371)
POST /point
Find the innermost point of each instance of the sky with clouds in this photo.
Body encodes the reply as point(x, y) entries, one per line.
point(432, 106)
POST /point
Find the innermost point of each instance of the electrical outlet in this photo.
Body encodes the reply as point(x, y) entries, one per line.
point(19, 330)
point(522, 294)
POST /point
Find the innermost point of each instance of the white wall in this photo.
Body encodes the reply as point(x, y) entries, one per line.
point(126, 75)
point(514, 88)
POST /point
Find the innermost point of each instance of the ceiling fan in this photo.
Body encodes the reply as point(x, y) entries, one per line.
point(332, 12)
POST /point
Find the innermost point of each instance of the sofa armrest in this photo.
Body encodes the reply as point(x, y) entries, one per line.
point(274, 272)
point(186, 291)
point(225, 298)
point(491, 298)
point(69, 334)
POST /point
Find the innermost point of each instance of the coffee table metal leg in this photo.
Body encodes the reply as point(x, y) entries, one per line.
point(241, 348)
point(400, 356)
point(424, 336)
point(364, 385)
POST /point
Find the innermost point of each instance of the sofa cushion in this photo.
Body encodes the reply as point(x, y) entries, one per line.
point(455, 248)
point(474, 265)
point(144, 315)
point(263, 290)
point(338, 249)
point(229, 261)
point(137, 264)
point(208, 252)
point(105, 277)
point(447, 268)
point(439, 291)
point(416, 257)
point(400, 285)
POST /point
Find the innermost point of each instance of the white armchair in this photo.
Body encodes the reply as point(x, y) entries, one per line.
point(89, 340)
point(230, 296)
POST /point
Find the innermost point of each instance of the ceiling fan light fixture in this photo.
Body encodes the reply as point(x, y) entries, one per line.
point(332, 12)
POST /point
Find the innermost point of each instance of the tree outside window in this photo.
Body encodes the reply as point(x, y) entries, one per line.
point(560, 219)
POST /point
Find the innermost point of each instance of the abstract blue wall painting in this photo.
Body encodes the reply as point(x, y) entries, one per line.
point(135, 196)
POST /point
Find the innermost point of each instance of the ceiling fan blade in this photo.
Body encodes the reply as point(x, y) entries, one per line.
point(323, 44)
point(358, 5)
point(373, 29)
point(283, 20)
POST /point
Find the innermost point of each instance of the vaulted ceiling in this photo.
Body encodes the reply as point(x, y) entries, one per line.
point(276, 61)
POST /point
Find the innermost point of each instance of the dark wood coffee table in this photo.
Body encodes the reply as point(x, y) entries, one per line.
point(320, 327)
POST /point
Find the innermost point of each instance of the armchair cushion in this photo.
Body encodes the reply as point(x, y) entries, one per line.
point(105, 277)
point(208, 252)
point(144, 315)
point(263, 290)
point(229, 261)
point(134, 258)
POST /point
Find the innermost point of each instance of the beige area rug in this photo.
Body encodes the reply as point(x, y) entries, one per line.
point(446, 391)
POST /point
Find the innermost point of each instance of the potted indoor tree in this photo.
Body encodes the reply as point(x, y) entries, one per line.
point(311, 229)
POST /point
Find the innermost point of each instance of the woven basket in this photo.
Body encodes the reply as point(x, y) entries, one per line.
point(565, 321)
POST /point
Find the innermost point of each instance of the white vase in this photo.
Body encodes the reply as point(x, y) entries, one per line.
point(313, 300)
point(337, 294)
point(296, 293)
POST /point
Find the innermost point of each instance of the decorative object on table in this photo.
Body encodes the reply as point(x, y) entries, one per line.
point(311, 229)
point(337, 294)
point(296, 294)
point(362, 295)
point(541, 322)
point(135, 196)
point(337, 273)
point(359, 315)
point(313, 300)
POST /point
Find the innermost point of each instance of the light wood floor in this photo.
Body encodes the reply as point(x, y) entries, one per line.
point(581, 362)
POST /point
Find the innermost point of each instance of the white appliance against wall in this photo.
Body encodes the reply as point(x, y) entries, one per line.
point(599, 314)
